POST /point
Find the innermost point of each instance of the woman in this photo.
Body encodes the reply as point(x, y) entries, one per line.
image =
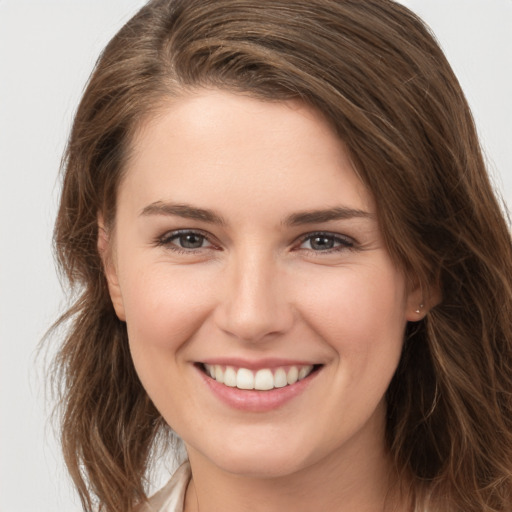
point(288, 252)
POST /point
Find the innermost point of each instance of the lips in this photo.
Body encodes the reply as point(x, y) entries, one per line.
point(253, 386)
point(263, 379)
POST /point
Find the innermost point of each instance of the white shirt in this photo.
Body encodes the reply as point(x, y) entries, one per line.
point(171, 497)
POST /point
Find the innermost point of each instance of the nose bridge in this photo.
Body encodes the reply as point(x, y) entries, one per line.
point(254, 304)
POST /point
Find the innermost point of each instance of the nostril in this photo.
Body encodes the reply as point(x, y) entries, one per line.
point(262, 324)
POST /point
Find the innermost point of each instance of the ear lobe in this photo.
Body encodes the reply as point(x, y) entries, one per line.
point(110, 270)
point(420, 302)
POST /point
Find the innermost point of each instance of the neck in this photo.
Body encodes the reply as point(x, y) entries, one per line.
point(349, 479)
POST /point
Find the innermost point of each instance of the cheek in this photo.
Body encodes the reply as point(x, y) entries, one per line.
point(164, 308)
point(357, 310)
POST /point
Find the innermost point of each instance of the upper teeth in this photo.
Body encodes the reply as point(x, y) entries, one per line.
point(262, 380)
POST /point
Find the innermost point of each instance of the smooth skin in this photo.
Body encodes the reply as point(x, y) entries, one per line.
point(242, 231)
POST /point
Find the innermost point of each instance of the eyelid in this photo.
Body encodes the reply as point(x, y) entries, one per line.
point(346, 242)
point(165, 240)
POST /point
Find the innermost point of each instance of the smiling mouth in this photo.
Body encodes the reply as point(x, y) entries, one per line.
point(264, 379)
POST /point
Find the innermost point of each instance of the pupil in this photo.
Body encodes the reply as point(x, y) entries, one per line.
point(322, 242)
point(191, 241)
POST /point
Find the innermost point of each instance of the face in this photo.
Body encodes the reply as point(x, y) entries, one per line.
point(264, 314)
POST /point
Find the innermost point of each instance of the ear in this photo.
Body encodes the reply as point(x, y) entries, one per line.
point(105, 250)
point(420, 301)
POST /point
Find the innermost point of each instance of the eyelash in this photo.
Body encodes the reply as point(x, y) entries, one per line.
point(167, 239)
point(344, 242)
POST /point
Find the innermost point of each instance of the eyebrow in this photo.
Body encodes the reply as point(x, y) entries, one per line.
point(326, 215)
point(297, 219)
point(183, 210)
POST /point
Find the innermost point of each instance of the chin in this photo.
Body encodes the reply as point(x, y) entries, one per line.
point(260, 465)
point(254, 459)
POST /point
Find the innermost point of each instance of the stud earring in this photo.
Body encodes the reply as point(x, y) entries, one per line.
point(418, 311)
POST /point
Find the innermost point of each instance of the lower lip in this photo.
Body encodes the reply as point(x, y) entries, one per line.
point(257, 401)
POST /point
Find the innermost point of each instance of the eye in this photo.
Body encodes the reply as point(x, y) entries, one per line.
point(184, 240)
point(326, 242)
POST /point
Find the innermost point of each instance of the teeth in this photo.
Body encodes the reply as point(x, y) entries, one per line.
point(244, 379)
point(219, 374)
point(304, 372)
point(280, 378)
point(293, 375)
point(230, 377)
point(262, 380)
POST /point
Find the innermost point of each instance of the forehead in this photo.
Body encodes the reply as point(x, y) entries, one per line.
point(213, 142)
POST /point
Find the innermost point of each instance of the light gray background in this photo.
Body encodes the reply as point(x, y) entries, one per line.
point(47, 49)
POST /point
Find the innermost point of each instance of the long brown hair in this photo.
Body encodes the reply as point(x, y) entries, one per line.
point(376, 73)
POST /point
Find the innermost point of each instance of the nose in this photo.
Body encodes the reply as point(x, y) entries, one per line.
point(254, 306)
